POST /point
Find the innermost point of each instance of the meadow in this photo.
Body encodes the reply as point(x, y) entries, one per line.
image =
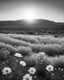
point(31, 57)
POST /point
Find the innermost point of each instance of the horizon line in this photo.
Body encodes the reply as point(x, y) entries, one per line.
point(34, 19)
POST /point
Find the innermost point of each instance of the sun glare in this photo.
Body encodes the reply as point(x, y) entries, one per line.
point(29, 15)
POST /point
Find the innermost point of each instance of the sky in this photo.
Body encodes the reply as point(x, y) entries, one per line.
point(37, 9)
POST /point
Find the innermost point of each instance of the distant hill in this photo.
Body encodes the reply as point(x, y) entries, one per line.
point(38, 24)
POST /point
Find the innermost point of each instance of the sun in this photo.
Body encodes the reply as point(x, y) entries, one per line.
point(29, 15)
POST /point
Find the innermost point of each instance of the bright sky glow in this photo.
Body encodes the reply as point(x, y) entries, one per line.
point(32, 9)
point(29, 15)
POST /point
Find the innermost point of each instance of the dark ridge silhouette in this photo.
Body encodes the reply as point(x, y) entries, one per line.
point(38, 24)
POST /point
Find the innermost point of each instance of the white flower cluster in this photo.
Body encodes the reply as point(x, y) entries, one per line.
point(32, 70)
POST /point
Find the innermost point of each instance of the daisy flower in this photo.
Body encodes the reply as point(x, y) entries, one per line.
point(27, 77)
point(49, 68)
point(32, 70)
point(6, 70)
point(22, 63)
point(17, 55)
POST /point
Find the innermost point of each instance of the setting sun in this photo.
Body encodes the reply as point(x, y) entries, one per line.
point(29, 15)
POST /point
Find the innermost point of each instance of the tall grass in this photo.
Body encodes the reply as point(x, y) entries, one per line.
point(32, 45)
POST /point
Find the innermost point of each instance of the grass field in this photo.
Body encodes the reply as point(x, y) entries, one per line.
point(31, 57)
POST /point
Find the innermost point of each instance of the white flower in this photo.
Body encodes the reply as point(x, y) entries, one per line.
point(43, 53)
point(61, 69)
point(52, 74)
point(6, 70)
point(32, 70)
point(18, 55)
point(49, 68)
point(27, 77)
point(42, 60)
point(22, 63)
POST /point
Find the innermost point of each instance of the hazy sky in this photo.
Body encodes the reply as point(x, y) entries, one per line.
point(42, 9)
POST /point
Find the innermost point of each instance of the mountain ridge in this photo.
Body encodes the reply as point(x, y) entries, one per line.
point(38, 24)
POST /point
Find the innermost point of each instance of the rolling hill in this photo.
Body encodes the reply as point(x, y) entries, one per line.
point(38, 24)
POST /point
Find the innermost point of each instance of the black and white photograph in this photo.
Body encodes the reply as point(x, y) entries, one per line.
point(31, 39)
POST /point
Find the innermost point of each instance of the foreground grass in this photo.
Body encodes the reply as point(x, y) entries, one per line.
point(18, 71)
point(37, 52)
